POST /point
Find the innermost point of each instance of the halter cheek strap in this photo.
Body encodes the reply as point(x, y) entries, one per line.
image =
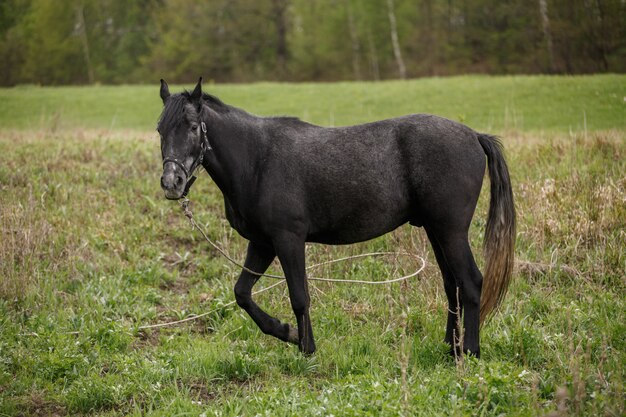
point(204, 147)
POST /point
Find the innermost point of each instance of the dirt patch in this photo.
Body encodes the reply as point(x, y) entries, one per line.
point(201, 391)
point(38, 405)
point(145, 338)
point(181, 243)
point(177, 286)
point(183, 263)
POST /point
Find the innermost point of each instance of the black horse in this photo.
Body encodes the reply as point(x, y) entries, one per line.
point(286, 182)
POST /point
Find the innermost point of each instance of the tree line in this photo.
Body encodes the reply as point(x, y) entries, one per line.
point(53, 42)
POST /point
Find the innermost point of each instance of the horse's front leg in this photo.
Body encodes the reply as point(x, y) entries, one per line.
point(290, 250)
point(258, 259)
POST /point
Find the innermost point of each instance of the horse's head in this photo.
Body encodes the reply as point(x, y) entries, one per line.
point(183, 139)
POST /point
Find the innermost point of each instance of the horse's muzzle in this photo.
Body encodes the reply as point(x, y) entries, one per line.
point(173, 183)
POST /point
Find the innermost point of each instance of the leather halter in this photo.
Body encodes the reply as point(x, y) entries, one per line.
point(204, 147)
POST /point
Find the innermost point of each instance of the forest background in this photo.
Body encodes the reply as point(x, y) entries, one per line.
point(48, 42)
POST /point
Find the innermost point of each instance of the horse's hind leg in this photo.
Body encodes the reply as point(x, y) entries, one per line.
point(459, 270)
point(455, 307)
point(258, 259)
point(290, 250)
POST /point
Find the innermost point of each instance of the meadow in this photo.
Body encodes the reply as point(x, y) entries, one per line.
point(90, 251)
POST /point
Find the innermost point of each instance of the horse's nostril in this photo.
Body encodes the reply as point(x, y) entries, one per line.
point(162, 183)
point(179, 181)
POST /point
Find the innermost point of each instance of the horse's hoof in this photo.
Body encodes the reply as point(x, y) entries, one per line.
point(307, 350)
point(455, 352)
point(292, 335)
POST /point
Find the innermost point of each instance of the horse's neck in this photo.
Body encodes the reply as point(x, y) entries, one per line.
point(236, 142)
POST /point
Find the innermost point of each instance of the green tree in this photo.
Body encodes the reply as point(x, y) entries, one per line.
point(12, 40)
point(117, 41)
point(240, 40)
point(119, 33)
point(52, 48)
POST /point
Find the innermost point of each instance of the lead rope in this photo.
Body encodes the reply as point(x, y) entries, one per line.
point(195, 225)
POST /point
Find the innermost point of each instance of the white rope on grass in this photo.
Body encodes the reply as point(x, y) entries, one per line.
point(195, 225)
point(197, 316)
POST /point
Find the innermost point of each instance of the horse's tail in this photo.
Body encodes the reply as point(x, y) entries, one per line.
point(499, 242)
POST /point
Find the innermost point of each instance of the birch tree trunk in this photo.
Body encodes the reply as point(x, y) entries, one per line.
point(374, 67)
point(279, 11)
point(394, 39)
point(82, 32)
point(354, 39)
point(547, 33)
point(429, 37)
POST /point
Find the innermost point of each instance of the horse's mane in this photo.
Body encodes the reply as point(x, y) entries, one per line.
point(177, 103)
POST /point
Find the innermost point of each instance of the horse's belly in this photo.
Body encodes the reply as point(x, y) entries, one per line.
point(357, 229)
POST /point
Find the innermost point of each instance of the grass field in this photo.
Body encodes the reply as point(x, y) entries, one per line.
point(530, 104)
point(88, 244)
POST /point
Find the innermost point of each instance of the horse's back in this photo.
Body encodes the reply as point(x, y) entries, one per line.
point(358, 182)
point(413, 151)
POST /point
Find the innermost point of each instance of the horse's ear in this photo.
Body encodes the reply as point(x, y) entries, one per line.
point(196, 95)
point(165, 90)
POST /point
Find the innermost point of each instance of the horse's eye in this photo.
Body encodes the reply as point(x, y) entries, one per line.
point(194, 126)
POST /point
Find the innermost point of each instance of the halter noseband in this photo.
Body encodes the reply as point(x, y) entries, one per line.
point(204, 147)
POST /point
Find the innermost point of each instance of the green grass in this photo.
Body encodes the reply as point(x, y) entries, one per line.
point(531, 103)
point(89, 245)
